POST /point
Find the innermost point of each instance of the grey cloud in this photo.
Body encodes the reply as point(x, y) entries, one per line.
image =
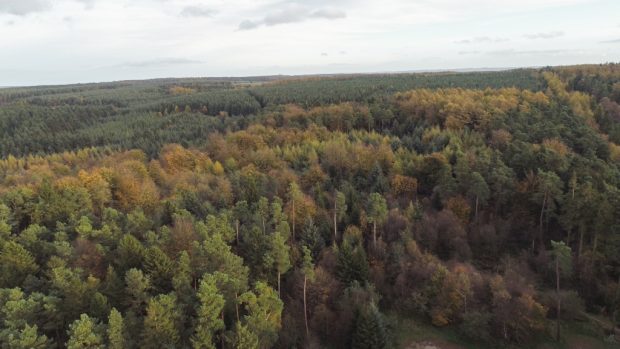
point(293, 14)
point(546, 35)
point(616, 41)
point(283, 17)
point(328, 14)
point(197, 11)
point(481, 39)
point(24, 7)
point(247, 25)
point(324, 54)
point(159, 62)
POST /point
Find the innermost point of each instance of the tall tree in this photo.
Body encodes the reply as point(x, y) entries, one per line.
point(307, 268)
point(116, 330)
point(562, 266)
point(208, 320)
point(294, 196)
point(278, 256)
point(264, 313)
point(84, 333)
point(161, 323)
point(377, 213)
point(340, 209)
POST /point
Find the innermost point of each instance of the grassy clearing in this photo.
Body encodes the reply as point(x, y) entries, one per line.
point(410, 332)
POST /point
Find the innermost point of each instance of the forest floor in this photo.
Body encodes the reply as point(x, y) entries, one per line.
point(415, 334)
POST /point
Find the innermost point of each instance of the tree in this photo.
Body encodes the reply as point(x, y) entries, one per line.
point(377, 213)
point(116, 330)
point(479, 190)
point(137, 287)
point(161, 323)
point(294, 196)
point(85, 333)
point(264, 313)
point(370, 330)
point(562, 265)
point(16, 263)
point(244, 338)
point(340, 210)
point(208, 320)
point(27, 338)
point(278, 256)
point(548, 189)
point(263, 212)
point(307, 268)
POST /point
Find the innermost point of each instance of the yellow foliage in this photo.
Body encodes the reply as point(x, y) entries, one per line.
point(180, 90)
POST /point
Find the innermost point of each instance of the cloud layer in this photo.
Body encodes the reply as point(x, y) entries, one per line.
point(292, 14)
point(62, 41)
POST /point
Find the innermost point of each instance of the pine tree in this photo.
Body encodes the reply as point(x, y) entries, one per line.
point(264, 316)
point(27, 338)
point(307, 269)
point(208, 320)
point(84, 333)
point(116, 330)
point(370, 331)
point(244, 338)
point(161, 323)
point(377, 212)
point(278, 256)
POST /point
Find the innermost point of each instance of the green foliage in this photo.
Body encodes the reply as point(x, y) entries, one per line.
point(208, 314)
point(370, 331)
point(15, 264)
point(161, 323)
point(264, 316)
point(85, 333)
point(468, 179)
point(116, 330)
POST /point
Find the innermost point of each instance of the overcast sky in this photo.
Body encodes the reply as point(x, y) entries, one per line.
point(66, 41)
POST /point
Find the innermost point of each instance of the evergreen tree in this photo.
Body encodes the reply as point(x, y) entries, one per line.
point(161, 323)
point(85, 333)
point(244, 338)
point(208, 320)
point(116, 330)
point(370, 331)
point(278, 256)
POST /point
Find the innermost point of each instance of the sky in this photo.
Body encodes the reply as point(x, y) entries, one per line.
point(70, 41)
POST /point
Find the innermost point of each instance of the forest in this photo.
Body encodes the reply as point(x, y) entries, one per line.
point(345, 211)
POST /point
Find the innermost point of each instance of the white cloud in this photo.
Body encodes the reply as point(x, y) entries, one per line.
point(545, 35)
point(197, 11)
point(481, 39)
point(133, 39)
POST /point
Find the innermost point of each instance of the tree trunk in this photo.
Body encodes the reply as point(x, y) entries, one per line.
point(374, 233)
point(237, 228)
point(476, 217)
point(305, 308)
point(237, 307)
point(222, 336)
point(278, 283)
point(594, 246)
point(293, 220)
point(542, 214)
point(557, 291)
point(335, 219)
point(581, 233)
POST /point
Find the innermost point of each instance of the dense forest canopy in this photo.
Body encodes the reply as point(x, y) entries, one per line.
point(311, 212)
